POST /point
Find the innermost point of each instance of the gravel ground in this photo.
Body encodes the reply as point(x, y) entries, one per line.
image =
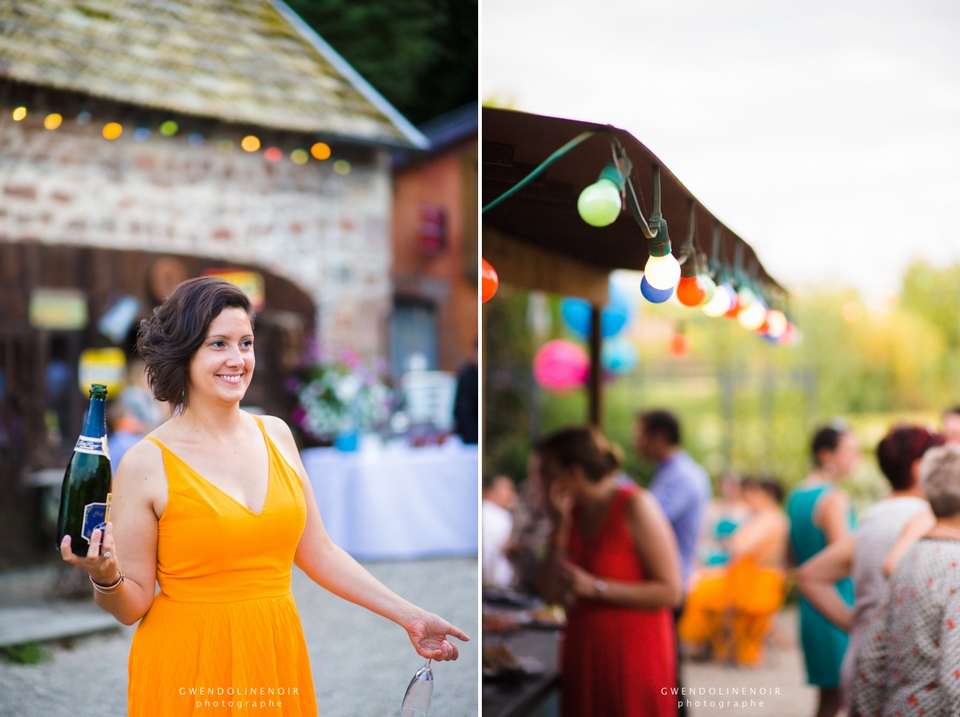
point(361, 662)
point(782, 671)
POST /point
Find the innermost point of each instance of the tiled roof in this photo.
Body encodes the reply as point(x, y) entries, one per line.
point(242, 61)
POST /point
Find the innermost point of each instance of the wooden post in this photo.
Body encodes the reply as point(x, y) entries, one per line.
point(594, 403)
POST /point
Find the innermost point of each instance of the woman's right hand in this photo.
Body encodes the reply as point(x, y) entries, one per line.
point(103, 567)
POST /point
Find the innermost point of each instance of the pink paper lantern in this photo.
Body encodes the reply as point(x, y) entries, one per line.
point(561, 366)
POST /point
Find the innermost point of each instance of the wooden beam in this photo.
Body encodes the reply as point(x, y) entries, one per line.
point(594, 382)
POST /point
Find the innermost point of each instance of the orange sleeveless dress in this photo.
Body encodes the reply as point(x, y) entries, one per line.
point(223, 636)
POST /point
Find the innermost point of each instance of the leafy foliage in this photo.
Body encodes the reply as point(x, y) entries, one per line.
point(422, 55)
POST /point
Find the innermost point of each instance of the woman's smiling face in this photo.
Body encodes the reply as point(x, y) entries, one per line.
point(222, 367)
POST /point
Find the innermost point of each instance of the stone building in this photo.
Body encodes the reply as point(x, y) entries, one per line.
point(142, 143)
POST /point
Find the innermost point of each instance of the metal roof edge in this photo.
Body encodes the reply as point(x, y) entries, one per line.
point(411, 133)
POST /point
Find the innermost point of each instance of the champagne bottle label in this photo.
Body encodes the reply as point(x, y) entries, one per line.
point(93, 446)
point(94, 516)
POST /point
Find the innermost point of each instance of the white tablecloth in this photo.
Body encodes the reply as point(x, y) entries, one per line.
point(398, 502)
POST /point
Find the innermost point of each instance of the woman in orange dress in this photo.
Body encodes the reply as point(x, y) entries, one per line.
point(614, 561)
point(216, 506)
point(732, 608)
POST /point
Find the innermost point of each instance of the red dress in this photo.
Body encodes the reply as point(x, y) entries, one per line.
point(617, 661)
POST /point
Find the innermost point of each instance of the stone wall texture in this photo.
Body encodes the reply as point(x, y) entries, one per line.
point(326, 232)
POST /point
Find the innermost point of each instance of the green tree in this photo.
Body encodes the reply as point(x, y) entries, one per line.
point(419, 54)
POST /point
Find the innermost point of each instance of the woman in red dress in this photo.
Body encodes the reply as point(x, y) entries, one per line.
point(614, 563)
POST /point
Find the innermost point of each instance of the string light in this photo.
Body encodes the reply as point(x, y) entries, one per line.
point(224, 145)
point(273, 154)
point(250, 143)
point(141, 134)
point(19, 113)
point(342, 167)
point(320, 151)
point(489, 281)
point(169, 128)
point(720, 303)
point(52, 121)
point(753, 316)
point(195, 140)
point(299, 156)
point(599, 204)
point(112, 130)
point(653, 294)
point(84, 117)
point(776, 323)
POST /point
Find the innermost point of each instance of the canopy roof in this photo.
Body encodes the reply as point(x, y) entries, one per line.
point(242, 61)
point(540, 223)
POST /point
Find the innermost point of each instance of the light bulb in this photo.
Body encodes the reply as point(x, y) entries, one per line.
point(753, 316)
point(663, 272)
point(745, 297)
point(709, 287)
point(720, 303)
point(652, 294)
point(777, 323)
point(489, 280)
point(599, 204)
point(690, 291)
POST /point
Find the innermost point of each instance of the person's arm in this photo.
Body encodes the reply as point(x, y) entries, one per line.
point(553, 580)
point(748, 537)
point(833, 515)
point(333, 569)
point(657, 551)
point(131, 536)
point(816, 579)
point(918, 526)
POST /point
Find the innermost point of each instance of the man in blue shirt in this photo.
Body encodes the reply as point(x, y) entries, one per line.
point(680, 485)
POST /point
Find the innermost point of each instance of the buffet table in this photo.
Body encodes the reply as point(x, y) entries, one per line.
point(535, 695)
point(396, 502)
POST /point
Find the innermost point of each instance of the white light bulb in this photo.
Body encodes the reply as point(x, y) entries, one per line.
point(662, 272)
point(719, 304)
point(752, 317)
point(777, 324)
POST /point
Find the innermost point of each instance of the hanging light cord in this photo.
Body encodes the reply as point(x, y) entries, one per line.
point(542, 166)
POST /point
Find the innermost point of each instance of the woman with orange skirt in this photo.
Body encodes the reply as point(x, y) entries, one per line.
point(732, 608)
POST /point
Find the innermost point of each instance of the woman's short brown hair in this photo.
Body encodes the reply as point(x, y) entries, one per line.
point(584, 447)
point(169, 339)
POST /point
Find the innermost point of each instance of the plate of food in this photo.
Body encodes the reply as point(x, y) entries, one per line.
point(499, 663)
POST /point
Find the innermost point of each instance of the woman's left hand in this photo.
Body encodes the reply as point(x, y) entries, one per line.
point(428, 633)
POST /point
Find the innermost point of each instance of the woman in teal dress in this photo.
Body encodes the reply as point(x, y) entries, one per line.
point(819, 515)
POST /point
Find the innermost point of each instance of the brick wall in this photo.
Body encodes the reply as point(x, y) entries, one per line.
point(327, 233)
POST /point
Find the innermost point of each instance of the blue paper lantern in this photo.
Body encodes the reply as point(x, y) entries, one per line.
point(654, 296)
point(619, 355)
point(576, 315)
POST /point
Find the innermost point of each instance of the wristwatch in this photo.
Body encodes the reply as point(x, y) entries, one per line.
point(599, 587)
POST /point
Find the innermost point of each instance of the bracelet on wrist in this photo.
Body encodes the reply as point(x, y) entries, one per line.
point(108, 589)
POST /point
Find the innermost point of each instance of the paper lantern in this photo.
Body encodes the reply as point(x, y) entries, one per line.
point(619, 355)
point(561, 366)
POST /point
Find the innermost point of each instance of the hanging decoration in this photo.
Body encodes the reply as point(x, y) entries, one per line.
point(112, 131)
point(654, 296)
point(679, 343)
point(489, 281)
point(561, 366)
point(619, 355)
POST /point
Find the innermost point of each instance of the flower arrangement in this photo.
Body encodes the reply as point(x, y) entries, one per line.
point(337, 394)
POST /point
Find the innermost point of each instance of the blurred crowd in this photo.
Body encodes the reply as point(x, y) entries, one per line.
point(680, 569)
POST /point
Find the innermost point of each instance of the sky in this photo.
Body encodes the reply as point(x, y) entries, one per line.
point(826, 134)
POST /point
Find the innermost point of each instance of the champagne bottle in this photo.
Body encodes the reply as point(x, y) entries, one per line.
point(85, 496)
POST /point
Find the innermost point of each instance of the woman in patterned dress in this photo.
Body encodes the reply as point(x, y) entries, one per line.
point(909, 661)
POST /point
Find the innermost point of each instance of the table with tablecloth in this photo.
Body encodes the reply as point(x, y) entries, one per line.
point(398, 502)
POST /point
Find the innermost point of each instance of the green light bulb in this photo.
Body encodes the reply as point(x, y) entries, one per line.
point(599, 204)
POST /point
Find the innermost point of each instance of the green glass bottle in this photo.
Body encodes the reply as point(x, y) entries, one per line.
point(85, 496)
